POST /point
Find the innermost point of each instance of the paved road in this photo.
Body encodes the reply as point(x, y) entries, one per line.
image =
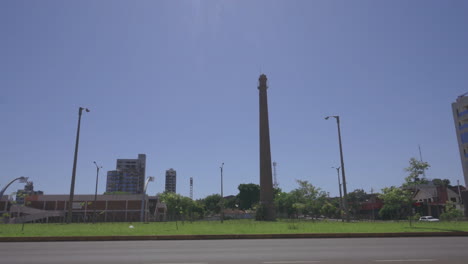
point(269, 251)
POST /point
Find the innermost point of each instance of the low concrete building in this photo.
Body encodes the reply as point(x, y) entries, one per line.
point(108, 208)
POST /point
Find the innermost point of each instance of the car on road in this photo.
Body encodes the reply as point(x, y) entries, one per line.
point(428, 219)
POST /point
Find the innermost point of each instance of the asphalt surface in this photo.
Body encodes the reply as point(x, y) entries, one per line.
point(261, 251)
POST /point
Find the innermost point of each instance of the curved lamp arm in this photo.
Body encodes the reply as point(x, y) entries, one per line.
point(21, 179)
point(148, 180)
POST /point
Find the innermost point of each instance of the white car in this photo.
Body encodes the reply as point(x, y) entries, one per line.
point(428, 219)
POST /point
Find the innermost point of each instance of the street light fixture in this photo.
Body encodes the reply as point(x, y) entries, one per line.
point(222, 198)
point(72, 187)
point(345, 193)
point(21, 179)
point(339, 186)
point(95, 191)
point(143, 216)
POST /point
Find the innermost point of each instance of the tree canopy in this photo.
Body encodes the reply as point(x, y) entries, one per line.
point(249, 195)
point(304, 200)
point(440, 182)
point(212, 203)
point(180, 206)
point(416, 169)
point(355, 199)
point(397, 201)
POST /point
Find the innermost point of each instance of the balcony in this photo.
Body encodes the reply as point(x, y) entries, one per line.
point(463, 115)
point(465, 126)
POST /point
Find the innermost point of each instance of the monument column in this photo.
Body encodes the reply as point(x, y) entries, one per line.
point(266, 182)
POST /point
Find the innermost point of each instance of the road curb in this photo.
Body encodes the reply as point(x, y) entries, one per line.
point(231, 236)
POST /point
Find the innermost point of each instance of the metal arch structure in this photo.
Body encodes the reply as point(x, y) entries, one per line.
point(142, 211)
point(22, 179)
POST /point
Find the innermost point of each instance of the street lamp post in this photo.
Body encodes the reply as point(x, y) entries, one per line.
point(21, 179)
point(72, 187)
point(372, 202)
point(345, 193)
point(143, 198)
point(341, 197)
point(95, 191)
point(222, 197)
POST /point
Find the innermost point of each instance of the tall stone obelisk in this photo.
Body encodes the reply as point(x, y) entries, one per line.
point(266, 182)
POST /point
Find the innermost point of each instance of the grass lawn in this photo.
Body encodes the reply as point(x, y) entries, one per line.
point(228, 227)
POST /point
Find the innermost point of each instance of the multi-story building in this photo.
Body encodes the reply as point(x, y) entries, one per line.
point(27, 191)
point(128, 177)
point(171, 182)
point(460, 117)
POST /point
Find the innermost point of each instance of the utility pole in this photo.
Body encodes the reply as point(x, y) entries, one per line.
point(222, 197)
point(372, 202)
point(72, 187)
point(341, 197)
point(95, 191)
point(345, 193)
point(459, 193)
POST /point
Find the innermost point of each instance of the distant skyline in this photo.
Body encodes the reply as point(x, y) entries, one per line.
point(177, 81)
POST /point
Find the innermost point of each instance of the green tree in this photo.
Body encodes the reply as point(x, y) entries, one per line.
point(249, 194)
point(306, 199)
point(330, 210)
point(440, 182)
point(172, 201)
point(284, 204)
point(5, 218)
point(397, 203)
point(415, 170)
point(180, 207)
point(313, 197)
point(198, 210)
point(276, 191)
point(231, 202)
point(451, 212)
point(212, 203)
point(299, 208)
point(355, 199)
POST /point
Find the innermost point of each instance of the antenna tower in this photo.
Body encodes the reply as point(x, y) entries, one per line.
point(420, 158)
point(275, 180)
point(191, 188)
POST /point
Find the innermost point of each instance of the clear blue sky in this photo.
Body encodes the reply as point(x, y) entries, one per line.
point(177, 80)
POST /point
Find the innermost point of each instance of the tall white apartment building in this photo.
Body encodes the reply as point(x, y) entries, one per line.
point(460, 117)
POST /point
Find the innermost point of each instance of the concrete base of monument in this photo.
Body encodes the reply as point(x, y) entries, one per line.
point(266, 212)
